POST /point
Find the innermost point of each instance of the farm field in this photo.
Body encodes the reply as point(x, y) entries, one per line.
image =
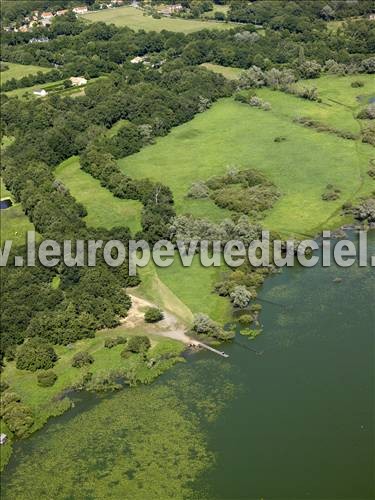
point(18, 71)
point(231, 133)
point(134, 19)
point(104, 210)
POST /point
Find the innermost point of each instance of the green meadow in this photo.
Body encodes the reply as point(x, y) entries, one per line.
point(18, 71)
point(136, 19)
point(104, 210)
point(234, 134)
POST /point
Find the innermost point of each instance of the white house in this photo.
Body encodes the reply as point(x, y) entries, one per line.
point(138, 59)
point(3, 438)
point(77, 81)
point(80, 10)
point(46, 15)
point(40, 92)
point(372, 17)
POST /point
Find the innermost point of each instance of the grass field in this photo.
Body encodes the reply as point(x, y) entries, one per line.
point(227, 71)
point(216, 8)
point(18, 71)
point(104, 210)
point(185, 290)
point(13, 224)
point(232, 133)
point(134, 19)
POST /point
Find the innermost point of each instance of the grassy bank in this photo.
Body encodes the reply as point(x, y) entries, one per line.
point(47, 402)
point(136, 19)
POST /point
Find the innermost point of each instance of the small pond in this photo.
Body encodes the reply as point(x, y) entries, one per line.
point(5, 203)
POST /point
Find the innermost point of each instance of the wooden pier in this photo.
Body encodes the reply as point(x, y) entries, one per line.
point(196, 343)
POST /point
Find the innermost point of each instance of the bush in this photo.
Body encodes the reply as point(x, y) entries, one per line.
point(367, 113)
point(256, 308)
point(137, 344)
point(17, 416)
point(82, 359)
point(35, 354)
point(371, 172)
point(357, 83)
point(279, 138)
point(330, 196)
point(347, 205)
point(204, 325)
point(368, 135)
point(19, 419)
point(198, 190)
point(245, 319)
point(153, 315)
point(114, 341)
point(240, 297)
point(10, 353)
point(47, 378)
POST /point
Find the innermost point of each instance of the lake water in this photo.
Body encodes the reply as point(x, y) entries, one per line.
point(294, 423)
point(5, 204)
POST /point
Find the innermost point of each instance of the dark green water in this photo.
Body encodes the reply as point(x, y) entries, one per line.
point(294, 423)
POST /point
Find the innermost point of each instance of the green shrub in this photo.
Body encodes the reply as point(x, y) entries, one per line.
point(17, 416)
point(46, 378)
point(204, 325)
point(114, 341)
point(357, 83)
point(245, 319)
point(35, 354)
point(137, 344)
point(82, 359)
point(10, 353)
point(153, 315)
point(256, 307)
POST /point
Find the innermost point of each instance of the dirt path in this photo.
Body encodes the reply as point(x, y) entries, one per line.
point(168, 327)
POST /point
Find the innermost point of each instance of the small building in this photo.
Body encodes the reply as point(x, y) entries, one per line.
point(372, 17)
point(40, 92)
point(62, 12)
point(46, 21)
point(138, 60)
point(46, 15)
point(117, 2)
point(78, 81)
point(24, 28)
point(171, 9)
point(41, 39)
point(3, 438)
point(80, 10)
